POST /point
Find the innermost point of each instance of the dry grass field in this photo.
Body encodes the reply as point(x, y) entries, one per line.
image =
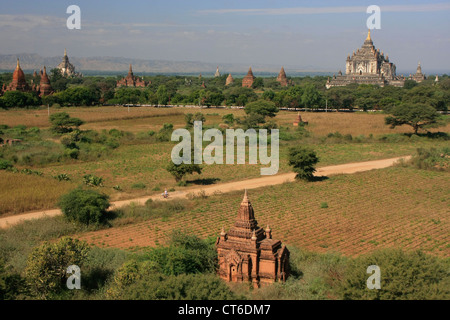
point(350, 214)
point(150, 118)
point(21, 192)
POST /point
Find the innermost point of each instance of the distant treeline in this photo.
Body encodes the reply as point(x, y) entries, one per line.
point(303, 92)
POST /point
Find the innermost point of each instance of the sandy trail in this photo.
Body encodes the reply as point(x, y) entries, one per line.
point(347, 168)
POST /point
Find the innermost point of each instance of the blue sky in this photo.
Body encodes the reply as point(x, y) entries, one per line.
point(289, 33)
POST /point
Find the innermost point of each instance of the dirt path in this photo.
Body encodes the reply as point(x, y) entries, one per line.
point(224, 187)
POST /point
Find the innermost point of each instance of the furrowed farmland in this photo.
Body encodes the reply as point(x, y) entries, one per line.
point(348, 214)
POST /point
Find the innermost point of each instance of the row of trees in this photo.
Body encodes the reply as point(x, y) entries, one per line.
point(304, 92)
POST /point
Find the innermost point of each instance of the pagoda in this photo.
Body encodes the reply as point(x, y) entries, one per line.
point(131, 80)
point(418, 76)
point(18, 82)
point(229, 80)
point(67, 69)
point(248, 79)
point(247, 252)
point(44, 85)
point(217, 74)
point(282, 78)
point(367, 66)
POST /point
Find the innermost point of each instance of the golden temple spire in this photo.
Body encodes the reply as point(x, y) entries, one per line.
point(18, 64)
point(65, 52)
point(368, 36)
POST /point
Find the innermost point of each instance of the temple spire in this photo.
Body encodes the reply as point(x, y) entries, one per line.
point(368, 36)
point(18, 64)
point(65, 52)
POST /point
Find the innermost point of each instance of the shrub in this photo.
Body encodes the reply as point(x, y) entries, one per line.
point(47, 265)
point(404, 276)
point(5, 164)
point(91, 180)
point(165, 133)
point(181, 287)
point(85, 206)
point(139, 185)
point(431, 159)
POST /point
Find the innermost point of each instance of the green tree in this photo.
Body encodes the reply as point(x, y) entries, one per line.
point(46, 270)
point(165, 132)
point(178, 171)
point(63, 123)
point(18, 99)
point(190, 118)
point(262, 107)
point(418, 116)
point(163, 95)
point(85, 206)
point(303, 161)
point(311, 97)
point(228, 119)
point(78, 96)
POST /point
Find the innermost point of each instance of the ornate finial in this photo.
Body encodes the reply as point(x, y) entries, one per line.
point(18, 64)
point(65, 52)
point(245, 196)
point(368, 36)
point(268, 232)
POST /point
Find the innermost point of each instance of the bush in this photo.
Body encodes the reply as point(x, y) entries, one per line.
point(47, 265)
point(431, 159)
point(5, 164)
point(404, 276)
point(181, 287)
point(91, 180)
point(165, 133)
point(139, 185)
point(85, 206)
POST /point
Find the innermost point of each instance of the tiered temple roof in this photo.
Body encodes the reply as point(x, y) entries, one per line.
point(18, 82)
point(131, 80)
point(282, 78)
point(248, 252)
point(67, 69)
point(229, 80)
point(217, 74)
point(248, 79)
point(367, 66)
point(44, 85)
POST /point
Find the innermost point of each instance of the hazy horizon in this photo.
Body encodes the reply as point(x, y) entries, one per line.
point(293, 34)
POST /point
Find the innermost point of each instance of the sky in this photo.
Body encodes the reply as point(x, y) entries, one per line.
point(290, 33)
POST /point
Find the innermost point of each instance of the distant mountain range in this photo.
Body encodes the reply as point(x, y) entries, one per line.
point(117, 65)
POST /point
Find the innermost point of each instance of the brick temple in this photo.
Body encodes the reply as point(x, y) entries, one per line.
point(247, 253)
point(131, 80)
point(229, 80)
point(282, 79)
point(248, 79)
point(19, 83)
